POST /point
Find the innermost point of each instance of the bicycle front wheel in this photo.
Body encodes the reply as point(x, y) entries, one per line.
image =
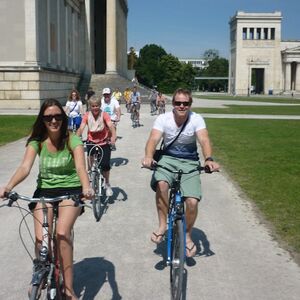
point(177, 263)
point(39, 291)
point(97, 187)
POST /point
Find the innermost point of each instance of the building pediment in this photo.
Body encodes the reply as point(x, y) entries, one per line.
point(294, 50)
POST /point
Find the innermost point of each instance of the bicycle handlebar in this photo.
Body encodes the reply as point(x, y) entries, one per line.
point(14, 196)
point(200, 169)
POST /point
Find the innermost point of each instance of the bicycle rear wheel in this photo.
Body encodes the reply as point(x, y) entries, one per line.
point(97, 187)
point(177, 263)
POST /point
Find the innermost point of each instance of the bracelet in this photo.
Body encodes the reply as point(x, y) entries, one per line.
point(209, 159)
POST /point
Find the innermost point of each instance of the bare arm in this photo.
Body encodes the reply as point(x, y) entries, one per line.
point(118, 113)
point(153, 140)
point(112, 130)
point(79, 160)
point(204, 141)
point(80, 129)
point(22, 172)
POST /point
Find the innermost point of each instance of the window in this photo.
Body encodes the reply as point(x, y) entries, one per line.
point(244, 33)
point(258, 33)
point(272, 33)
point(266, 33)
point(251, 37)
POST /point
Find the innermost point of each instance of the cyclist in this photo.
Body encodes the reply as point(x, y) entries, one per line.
point(182, 154)
point(101, 131)
point(117, 95)
point(127, 97)
point(161, 102)
point(74, 110)
point(152, 98)
point(62, 171)
point(135, 100)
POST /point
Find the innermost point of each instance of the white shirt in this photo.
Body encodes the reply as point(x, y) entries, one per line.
point(74, 108)
point(185, 145)
point(110, 107)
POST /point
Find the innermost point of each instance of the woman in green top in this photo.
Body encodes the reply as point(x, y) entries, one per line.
point(62, 170)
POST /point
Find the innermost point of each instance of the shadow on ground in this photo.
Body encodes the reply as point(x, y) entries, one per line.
point(91, 274)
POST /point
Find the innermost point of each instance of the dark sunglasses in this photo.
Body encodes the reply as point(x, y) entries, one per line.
point(49, 118)
point(178, 103)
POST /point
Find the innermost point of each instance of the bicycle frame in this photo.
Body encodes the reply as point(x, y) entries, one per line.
point(176, 211)
point(46, 273)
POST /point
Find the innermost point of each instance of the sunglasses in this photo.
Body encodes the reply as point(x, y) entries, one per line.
point(49, 118)
point(178, 103)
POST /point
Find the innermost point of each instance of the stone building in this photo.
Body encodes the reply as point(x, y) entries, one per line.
point(260, 62)
point(50, 46)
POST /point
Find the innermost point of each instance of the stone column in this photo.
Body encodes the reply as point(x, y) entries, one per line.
point(247, 33)
point(58, 34)
point(111, 38)
point(89, 37)
point(48, 33)
point(297, 88)
point(287, 81)
point(31, 33)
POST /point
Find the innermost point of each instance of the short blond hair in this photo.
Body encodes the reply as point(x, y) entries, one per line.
point(95, 99)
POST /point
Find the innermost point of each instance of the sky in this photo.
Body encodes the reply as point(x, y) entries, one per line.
point(186, 28)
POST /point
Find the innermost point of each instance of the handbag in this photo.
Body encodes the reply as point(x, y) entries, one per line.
point(159, 152)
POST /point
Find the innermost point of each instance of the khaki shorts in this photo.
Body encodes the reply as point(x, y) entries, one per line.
point(190, 183)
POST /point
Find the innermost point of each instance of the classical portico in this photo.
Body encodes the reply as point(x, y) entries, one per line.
point(291, 66)
point(53, 45)
point(260, 62)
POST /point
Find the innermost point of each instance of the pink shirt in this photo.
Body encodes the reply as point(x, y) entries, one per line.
point(98, 131)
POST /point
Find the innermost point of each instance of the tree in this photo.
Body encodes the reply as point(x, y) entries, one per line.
point(147, 66)
point(218, 67)
point(211, 54)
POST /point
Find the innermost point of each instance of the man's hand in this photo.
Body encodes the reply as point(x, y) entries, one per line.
point(147, 162)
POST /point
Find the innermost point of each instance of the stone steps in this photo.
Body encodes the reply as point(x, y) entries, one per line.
point(100, 81)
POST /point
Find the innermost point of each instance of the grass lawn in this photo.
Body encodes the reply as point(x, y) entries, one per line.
point(262, 157)
point(251, 98)
point(13, 128)
point(257, 110)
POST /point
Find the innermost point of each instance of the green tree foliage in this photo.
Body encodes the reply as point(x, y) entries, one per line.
point(156, 67)
point(147, 66)
point(218, 67)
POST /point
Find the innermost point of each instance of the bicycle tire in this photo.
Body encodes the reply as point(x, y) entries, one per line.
point(177, 263)
point(97, 187)
point(39, 292)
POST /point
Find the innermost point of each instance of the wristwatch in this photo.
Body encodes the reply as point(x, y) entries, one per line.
point(209, 159)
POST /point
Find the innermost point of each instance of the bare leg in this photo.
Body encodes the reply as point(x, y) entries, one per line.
point(38, 229)
point(191, 215)
point(162, 210)
point(66, 220)
point(106, 176)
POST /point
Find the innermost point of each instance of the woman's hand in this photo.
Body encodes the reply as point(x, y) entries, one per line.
point(88, 193)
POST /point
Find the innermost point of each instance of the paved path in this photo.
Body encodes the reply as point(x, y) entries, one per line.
point(237, 255)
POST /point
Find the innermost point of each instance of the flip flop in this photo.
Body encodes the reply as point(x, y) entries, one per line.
point(157, 238)
point(191, 251)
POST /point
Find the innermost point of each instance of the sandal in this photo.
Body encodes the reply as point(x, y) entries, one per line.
point(191, 251)
point(157, 238)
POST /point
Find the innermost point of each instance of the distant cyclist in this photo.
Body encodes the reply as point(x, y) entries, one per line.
point(74, 110)
point(161, 103)
point(101, 132)
point(135, 100)
point(152, 98)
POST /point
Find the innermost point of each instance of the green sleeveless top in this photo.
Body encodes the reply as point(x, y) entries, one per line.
point(57, 170)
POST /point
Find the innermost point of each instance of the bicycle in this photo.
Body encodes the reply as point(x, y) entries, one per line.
point(74, 123)
point(134, 114)
point(176, 228)
point(96, 177)
point(47, 280)
point(161, 108)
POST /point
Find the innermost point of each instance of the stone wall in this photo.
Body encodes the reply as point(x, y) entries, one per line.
point(29, 89)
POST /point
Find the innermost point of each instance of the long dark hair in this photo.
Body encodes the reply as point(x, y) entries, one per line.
point(39, 131)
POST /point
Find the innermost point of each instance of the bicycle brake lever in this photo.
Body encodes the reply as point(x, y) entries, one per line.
point(12, 196)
